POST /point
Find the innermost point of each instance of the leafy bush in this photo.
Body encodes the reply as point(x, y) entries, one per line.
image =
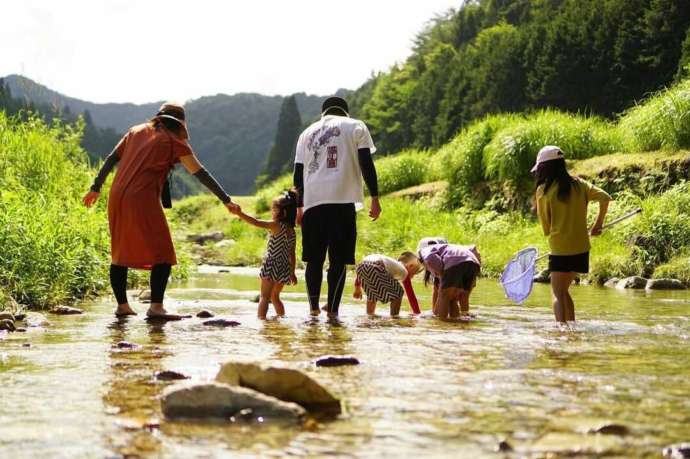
point(53, 249)
point(661, 122)
point(276, 187)
point(404, 170)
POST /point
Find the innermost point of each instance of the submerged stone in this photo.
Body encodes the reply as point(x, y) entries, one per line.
point(633, 282)
point(125, 345)
point(283, 383)
point(610, 429)
point(65, 310)
point(19, 317)
point(336, 361)
point(169, 375)
point(221, 323)
point(216, 400)
point(664, 284)
point(7, 316)
point(205, 314)
point(504, 447)
point(35, 319)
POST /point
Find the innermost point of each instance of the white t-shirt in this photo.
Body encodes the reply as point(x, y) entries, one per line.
point(393, 267)
point(328, 150)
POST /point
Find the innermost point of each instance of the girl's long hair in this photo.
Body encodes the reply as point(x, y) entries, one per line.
point(287, 204)
point(555, 171)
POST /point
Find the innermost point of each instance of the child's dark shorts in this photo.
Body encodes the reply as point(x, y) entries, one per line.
point(569, 263)
point(461, 276)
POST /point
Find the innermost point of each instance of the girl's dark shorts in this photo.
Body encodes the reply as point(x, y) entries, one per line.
point(569, 263)
point(461, 276)
point(329, 228)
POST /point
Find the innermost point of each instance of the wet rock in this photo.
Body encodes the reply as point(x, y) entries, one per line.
point(633, 282)
point(610, 429)
point(611, 283)
point(543, 276)
point(7, 324)
point(664, 284)
point(216, 400)
point(7, 316)
point(215, 236)
point(19, 317)
point(169, 375)
point(125, 345)
point(205, 314)
point(221, 323)
point(225, 243)
point(504, 447)
point(283, 383)
point(34, 319)
point(65, 311)
point(336, 361)
point(256, 299)
point(20, 330)
point(679, 451)
point(145, 296)
point(26, 345)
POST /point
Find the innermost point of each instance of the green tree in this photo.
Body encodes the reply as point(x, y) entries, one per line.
point(282, 152)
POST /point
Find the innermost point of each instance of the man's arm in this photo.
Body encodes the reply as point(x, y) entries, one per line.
point(366, 164)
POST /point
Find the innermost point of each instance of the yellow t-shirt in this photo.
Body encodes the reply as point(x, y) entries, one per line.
point(565, 223)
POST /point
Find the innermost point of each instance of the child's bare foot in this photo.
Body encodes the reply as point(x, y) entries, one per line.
point(124, 310)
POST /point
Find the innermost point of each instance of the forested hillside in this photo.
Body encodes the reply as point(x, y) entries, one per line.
point(492, 56)
point(232, 134)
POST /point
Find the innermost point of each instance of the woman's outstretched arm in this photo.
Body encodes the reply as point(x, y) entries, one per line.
point(110, 161)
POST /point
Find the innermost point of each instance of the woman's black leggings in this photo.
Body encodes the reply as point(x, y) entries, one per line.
point(159, 281)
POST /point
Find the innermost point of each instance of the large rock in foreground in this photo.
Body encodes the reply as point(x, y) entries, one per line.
point(283, 383)
point(214, 400)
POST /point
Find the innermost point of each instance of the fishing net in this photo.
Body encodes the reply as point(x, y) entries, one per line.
point(518, 276)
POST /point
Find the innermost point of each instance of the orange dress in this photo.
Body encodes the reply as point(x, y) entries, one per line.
point(140, 237)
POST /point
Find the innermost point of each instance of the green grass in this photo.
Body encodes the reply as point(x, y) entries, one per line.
point(662, 122)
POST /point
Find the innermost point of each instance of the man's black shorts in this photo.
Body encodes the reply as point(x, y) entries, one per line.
point(332, 228)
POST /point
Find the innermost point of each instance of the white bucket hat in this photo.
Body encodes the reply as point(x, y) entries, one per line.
point(547, 153)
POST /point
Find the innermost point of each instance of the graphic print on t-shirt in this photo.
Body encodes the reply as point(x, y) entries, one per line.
point(332, 157)
point(317, 140)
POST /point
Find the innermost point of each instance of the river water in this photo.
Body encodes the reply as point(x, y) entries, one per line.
point(423, 389)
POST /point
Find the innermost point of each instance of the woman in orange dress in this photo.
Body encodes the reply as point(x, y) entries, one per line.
point(140, 237)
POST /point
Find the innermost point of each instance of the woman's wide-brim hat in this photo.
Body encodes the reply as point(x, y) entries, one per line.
point(175, 112)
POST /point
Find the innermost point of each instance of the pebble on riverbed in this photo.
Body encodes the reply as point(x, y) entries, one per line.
point(221, 323)
point(65, 311)
point(504, 447)
point(126, 345)
point(205, 314)
point(336, 361)
point(610, 429)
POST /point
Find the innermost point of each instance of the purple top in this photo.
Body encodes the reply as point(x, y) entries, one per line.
point(439, 257)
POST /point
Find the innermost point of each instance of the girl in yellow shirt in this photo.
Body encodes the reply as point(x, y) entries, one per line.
point(562, 208)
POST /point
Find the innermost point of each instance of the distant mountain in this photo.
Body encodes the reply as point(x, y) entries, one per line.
point(232, 134)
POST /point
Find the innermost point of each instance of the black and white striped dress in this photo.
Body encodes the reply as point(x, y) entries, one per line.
point(276, 264)
point(378, 284)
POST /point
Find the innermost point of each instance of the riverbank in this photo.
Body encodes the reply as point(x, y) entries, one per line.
point(654, 244)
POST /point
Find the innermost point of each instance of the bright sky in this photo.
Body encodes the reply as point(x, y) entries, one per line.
point(149, 50)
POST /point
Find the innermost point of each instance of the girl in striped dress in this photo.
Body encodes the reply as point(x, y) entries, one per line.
point(278, 267)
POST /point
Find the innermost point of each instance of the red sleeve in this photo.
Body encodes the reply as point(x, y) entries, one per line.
point(411, 297)
point(180, 148)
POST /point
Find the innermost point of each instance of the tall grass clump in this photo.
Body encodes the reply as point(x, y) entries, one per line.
point(463, 163)
point(511, 153)
point(405, 169)
point(662, 122)
point(53, 250)
point(264, 197)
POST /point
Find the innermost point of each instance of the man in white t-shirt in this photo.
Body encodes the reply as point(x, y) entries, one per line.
point(333, 155)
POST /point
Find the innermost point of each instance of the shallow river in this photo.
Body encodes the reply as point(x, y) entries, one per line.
point(423, 389)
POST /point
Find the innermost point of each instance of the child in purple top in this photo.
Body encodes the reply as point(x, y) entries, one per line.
point(455, 269)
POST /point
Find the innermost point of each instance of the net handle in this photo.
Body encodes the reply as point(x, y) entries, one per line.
point(608, 225)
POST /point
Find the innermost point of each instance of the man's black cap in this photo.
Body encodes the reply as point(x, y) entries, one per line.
point(335, 101)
